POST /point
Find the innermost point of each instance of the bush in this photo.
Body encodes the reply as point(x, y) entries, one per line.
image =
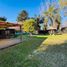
point(28, 25)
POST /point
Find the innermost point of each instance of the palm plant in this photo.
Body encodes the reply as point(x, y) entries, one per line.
point(54, 16)
point(49, 15)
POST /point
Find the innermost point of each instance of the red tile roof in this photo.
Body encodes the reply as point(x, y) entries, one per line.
point(7, 24)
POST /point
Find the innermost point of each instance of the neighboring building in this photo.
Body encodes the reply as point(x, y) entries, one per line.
point(52, 30)
point(64, 29)
point(8, 29)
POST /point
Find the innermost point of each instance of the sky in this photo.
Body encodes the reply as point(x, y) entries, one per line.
point(11, 8)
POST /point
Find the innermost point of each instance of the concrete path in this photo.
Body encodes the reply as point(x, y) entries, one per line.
point(4, 43)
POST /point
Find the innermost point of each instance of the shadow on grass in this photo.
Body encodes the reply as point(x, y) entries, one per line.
point(53, 56)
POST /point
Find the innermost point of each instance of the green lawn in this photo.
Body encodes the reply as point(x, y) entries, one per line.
point(28, 53)
point(16, 56)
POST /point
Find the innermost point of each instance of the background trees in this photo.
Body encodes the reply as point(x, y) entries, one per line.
point(51, 14)
point(63, 3)
point(22, 16)
point(3, 19)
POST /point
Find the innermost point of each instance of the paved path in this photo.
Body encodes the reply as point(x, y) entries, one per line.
point(8, 42)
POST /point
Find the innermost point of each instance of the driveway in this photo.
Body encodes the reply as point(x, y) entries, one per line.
point(8, 42)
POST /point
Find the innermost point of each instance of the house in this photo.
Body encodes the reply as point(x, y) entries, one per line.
point(64, 29)
point(7, 30)
point(52, 30)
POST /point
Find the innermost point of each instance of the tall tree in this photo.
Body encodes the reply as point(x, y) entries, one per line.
point(57, 18)
point(22, 16)
point(3, 19)
point(54, 16)
point(49, 16)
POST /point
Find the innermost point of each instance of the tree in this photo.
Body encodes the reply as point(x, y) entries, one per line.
point(54, 16)
point(28, 25)
point(37, 27)
point(45, 23)
point(63, 3)
point(63, 6)
point(3, 19)
point(58, 21)
point(49, 14)
point(22, 16)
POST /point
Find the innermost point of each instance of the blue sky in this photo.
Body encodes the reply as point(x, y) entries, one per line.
point(11, 8)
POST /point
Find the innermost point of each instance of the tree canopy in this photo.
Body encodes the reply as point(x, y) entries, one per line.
point(28, 25)
point(3, 19)
point(22, 16)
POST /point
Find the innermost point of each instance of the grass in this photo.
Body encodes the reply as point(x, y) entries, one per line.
point(35, 51)
point(56, 39)
point(16, 55)
point(53, 56)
